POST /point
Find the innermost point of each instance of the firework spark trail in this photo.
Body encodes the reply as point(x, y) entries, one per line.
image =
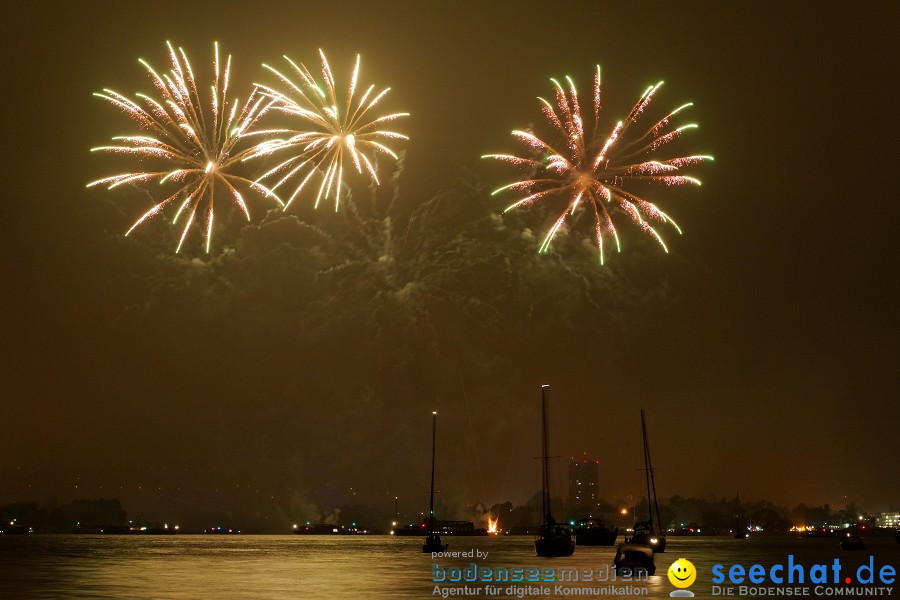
point(195, 148)
point(594, 168)
point(333, 133)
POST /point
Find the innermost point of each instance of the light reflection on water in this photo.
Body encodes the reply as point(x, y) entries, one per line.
point(286, 566)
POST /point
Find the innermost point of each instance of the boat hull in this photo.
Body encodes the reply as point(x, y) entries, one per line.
point(633, 559)
point(433, 544)
point(853, 543)
point(657, 543)
point(596, 536)
point(554, 545)
point(853, 546)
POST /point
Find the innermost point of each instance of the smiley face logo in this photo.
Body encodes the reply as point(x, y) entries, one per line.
point(682, 573)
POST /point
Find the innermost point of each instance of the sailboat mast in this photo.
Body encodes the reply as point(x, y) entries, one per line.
point(646, 468)
point(545, 475)
point(650, 479)
point(431, 502)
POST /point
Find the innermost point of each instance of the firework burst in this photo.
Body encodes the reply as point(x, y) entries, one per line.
point(590, 170)
point(195, 148)
point(334, 133)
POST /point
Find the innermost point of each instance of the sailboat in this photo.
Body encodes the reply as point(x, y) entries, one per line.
point(554, 540)
point(433, 540)
point(852, 540)
point(740, 528)
point(648, 533)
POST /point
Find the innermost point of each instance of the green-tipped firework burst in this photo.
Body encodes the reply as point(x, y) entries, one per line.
point(589, 169)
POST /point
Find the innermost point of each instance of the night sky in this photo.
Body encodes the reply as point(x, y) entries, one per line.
point(295, 369)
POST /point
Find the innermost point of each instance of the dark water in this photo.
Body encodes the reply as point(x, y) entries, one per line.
point(50, 566)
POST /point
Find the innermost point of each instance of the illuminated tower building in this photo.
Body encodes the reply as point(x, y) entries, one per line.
point(584, 475)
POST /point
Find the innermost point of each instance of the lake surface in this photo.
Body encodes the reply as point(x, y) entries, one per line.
point(288, 566)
